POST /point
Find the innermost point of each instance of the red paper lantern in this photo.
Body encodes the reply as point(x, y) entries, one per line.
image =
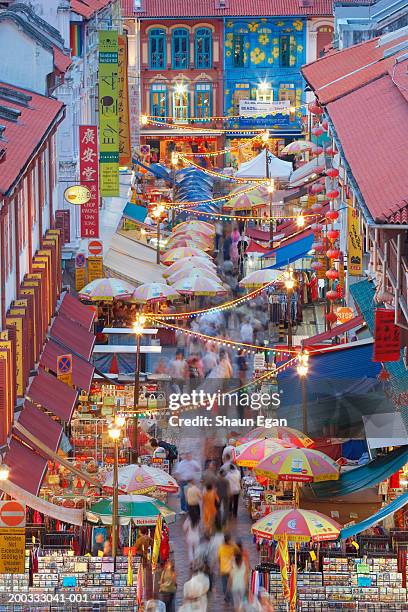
point(318, 246)
point(317, 206)
point(331, 317)
point(316, 227)
point(314, 108)
point(331, 151)
point(317, 131)
point(332, 274)
point(333, 194)
point(333, 234)
point(316, 188)
point(333, 253)
point(332, 295)
point(316, 150)
point(325, 124)
point(332, 215)
point(332, 172)
point(316, 265)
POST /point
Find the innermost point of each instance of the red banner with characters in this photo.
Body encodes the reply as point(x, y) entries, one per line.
point(88, 172)
point(387, 339)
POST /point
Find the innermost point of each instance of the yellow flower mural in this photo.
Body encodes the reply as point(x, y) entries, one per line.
point(228, 53)
point(230, 24)
point(280, 23)
point(229, 36)
point(300, 48)
point(226, 91)
point(257, 56)
point(253, 26)
point(228, 43)
point(292, 60)
point(270, 60)
point(298, 25)
point(263, 39)
point(275, 52)
point(247, 45)
point(275, 41)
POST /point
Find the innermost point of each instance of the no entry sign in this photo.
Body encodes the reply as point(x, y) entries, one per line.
point(95, 247)
point(12, 514)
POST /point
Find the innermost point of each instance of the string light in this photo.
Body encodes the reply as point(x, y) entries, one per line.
point(229, 217)
point(221, 151)
point(202, 130)
point(300, 220)
point(221, 176)
point(270, 187)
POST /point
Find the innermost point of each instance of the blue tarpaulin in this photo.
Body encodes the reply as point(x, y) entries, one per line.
point(158, 170)
point(293, 251)
point(135, 212)
point(390, 508)
point(363, 477)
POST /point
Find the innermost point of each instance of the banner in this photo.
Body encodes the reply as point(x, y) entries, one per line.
point(156, 542)
point(88, 173)
point(123, 103)
point(354, 244)
point(387, 340)
point(108, 113)
point(258, 108)
point(282, 559)
point(293, 588)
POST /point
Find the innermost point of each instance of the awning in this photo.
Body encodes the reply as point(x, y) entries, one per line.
point(292, 251)
point(73, 336)
point(53, 395)
point(82, 370)
point(335, 331)
point(364, 476)
point(258, 234)
point(40, 425)
point(132, 261)
point(385, 429)
point(254, 247)
point(27, 468)
point(387, 510)
point(306, 172)
point(256, 167)
point(74, 310)
point(134, 212)
point(67, 515)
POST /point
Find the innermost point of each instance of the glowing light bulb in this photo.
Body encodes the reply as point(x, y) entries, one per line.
point(144, 119)
point(300, 221)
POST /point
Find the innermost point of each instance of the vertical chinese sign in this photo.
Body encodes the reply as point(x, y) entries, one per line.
point(88, 171)
point(123, 103)
point(108, 113)
point(354, 244)
point(386, 336)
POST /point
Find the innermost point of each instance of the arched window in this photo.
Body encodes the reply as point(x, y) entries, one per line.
point(203, 100)
point(240, 47)
point(158, 101)
point(157, 48)
point(203, 48)
point(181, 102)
point(180, 48)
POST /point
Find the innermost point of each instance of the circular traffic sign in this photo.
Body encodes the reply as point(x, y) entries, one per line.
point(64, 364)
point(95, 247)
point(12, 514)
point(77, 194)
point(80, 260)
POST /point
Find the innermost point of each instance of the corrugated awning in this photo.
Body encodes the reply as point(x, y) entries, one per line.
point(255, 247)
point(74, 310)
point(73, 336)
point(40, 425)
point(53, 395)
point(258, 234)
point(27, 468)
point(82, 369)
point(335, 331)
point(134, 212)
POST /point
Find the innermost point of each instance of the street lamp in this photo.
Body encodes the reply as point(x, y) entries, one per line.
point(114, 434)
point(157, 214)
point(289, 284)
point(300, 221)
point(138, 327)
point(302, 370)
point(4, 471)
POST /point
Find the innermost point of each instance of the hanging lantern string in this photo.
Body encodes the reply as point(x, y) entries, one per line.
point(292, 108)
point(221, 151)
point(225, 198)
point(214, 215)
point(203, 130)
point(219, 175)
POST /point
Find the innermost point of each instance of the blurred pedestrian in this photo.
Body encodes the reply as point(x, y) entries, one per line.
point(238, 581)
point(210, 474)
point(234, 479)
point(178, 370)
point(222, 488)
point(226, 554)
point(186, 470)
point(210, 359)
point(192, 535)
point(195, 593)
point(210, 501)
point(194, 498)
point(246, 332)
point(168, 586)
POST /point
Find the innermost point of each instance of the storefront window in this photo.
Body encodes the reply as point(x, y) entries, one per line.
point(203, 44)
point(203, 100)
point(287, 91)
point(240, 56)
point(157, 48)
point(241, 93)
point(287, 51)
point(264, 92)
point(158, 101)
point(180, 103)
point(180, 49)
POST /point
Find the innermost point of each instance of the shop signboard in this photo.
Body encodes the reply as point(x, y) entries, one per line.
point(7, 389)
point(354, 244)
point(108, 113)
point(95, 268)
point(12, 550)
point(80, 278)
point(17, 323)
point(123, 103)
point(254, 112)
point(89, 176)
point(387, 336)
point(259, 362)
point(77, 194)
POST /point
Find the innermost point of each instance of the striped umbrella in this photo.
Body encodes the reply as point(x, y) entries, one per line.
point(297, 525)
point(298, 465)
point(199, 285)
point(142, 479)
point(259, 278)
point(173, 255)
point(252, 453)
point(193, 242)
point(195, 224)
point(154, 292)
point(186, 272)
point(281, 434)
point(297, 146)
point(189, 263)
point(136, 509)
point(106, 289)
point(246, 201)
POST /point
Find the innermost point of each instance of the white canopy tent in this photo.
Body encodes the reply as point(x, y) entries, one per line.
point(256, 167)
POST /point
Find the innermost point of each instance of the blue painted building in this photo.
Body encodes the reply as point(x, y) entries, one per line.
point(262, 60)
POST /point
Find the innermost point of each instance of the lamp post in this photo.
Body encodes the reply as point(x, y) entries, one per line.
point(270, 189)
point(138, 327)
point(157, 214)
point(174, 162)
point(289, 284)
point(114, 434)
point(302, 370)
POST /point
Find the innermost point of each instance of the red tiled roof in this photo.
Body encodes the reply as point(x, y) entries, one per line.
point(87, 8)
point(23, 137)
point(61, 61)
point(233, 8)
point(372, 126)
point(337, 74)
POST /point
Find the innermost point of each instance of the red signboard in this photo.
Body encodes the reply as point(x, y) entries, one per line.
point(386, 336)
point(88, 172)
